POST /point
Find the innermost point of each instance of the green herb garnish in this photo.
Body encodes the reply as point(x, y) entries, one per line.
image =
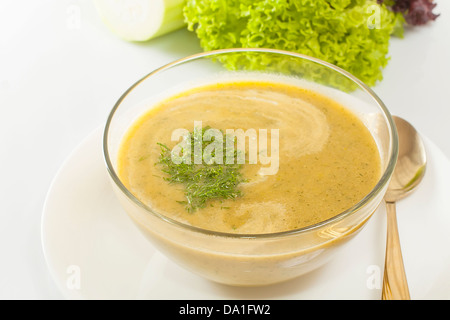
point(215, 177)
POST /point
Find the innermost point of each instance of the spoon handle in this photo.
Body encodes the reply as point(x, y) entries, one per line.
point(395, 286)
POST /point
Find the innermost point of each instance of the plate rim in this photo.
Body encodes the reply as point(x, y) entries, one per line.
point(73, 294)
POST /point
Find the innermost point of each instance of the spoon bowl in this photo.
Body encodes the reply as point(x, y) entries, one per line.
point(411, 162)
point(408, 174)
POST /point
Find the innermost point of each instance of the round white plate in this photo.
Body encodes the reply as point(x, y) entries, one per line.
point(94, 251)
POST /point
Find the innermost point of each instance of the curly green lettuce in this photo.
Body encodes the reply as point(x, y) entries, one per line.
point(352, 34)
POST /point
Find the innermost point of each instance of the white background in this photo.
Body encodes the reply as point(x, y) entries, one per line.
point(61, 71)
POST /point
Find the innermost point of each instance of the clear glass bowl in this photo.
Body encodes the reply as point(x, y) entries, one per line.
point(251, 259)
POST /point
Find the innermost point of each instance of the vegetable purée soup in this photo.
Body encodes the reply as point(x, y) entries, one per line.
point(314, 158)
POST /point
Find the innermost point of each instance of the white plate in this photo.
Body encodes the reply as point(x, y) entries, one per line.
point(95, 252)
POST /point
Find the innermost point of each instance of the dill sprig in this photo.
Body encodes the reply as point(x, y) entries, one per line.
point(207, 180)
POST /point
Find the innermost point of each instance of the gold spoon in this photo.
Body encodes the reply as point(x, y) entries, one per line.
point(408, 173)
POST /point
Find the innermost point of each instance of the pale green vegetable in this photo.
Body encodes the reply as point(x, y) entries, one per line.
point(141, 20)
point(352, 34)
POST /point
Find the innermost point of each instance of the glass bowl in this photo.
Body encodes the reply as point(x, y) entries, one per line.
point(263, 258)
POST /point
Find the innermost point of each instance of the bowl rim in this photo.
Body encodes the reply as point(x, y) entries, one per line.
point(382, 181)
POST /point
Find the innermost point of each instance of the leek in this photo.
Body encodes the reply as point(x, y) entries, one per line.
point(141, 20)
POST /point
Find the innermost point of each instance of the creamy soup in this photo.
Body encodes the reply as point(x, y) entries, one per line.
point(327, 159)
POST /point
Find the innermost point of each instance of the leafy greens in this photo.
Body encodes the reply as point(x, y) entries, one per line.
point(416, 12)
point(352, 34)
